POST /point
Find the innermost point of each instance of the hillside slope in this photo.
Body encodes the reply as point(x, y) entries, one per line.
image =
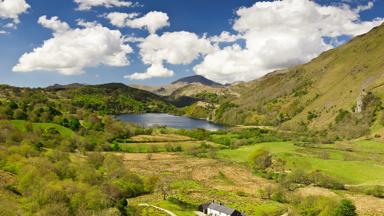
point(314, 93)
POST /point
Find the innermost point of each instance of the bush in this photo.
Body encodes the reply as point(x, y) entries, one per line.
point(377, 191)
point(96, 159)
point(317, 178)
point(346, 208)
point(315, 205)
point(295, 177)
point(279, 195)
point(320, 179)
point(260, 160)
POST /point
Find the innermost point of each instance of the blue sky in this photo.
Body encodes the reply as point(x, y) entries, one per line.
point(204, 18)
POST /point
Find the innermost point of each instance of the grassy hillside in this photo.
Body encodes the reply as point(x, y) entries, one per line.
point(313, 94)
point(350, 163)
point(22, 124)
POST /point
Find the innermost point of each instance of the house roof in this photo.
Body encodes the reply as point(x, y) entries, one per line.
point(221, 208)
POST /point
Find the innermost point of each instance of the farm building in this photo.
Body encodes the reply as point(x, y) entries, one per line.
point(218, 209)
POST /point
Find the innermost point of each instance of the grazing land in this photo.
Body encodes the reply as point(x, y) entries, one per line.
point(198, 180)
point(160, 143)
point(358, 162)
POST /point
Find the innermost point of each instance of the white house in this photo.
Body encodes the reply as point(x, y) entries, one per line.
point(218, 209)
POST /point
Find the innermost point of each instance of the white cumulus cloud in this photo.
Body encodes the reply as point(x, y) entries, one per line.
point(54, 23)
point(280, 34)
point(173, 48)
point(11, 9)
point(70, 50)
point(155, 70)
point(152, 21)
point(88, 4)
point(225, 37)
point(229, 64)
point(119, 19)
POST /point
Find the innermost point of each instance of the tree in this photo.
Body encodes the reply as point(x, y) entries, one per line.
point(346, 208)
point(150, 183)
point(19, 114)
point(13, 105)
point(64, 122)
point(260, 159)
point(113, 166)
point(122, 205)
point(6, 112)
point(74, 124)
point(29, 127)
point(96, 159)
point(164, 187)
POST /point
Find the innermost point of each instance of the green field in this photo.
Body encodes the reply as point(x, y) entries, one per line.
point(259, 209)
point(160, 143)
point(193, 193)
point(159, 146)
point(20, 124)
point(342, 164)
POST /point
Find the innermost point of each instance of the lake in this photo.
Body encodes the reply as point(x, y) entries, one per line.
point(162, 119)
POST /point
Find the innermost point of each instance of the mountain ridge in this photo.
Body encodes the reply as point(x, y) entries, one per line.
point(186, 86)
point(197, 79)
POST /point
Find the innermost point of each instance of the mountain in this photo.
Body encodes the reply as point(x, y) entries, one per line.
point(58, 86)
point(344, 82)
point(196, 79)
point(185, 87)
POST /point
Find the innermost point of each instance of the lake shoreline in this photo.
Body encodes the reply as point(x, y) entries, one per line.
point(169, 120)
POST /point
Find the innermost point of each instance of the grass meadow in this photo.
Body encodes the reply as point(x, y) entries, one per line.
point(358, 162)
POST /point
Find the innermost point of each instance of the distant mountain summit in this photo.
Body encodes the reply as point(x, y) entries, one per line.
point(196, 79)
point(60, 87)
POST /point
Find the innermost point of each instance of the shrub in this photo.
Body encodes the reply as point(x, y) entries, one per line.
point(19, 114)
point(320, 179)
point(343, 114)
point(266, 193)
point(279, 195)
point(317, 178)
point(260, 160)
point(377, 191)
point(346, 208)
point(299, 177)
point(315, 205)
point(96, 159)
